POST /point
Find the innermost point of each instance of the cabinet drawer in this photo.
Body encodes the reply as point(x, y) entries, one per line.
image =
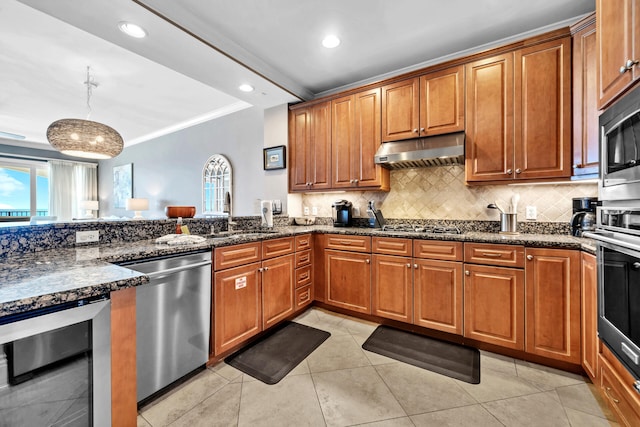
point(303, 276)
point(233, 256)
point(620, 398)
point(391, 246)
point(303, 258)
point(303, 296)
point(277, 247)
point(490, 254)
point(303, 242)
point(436, 249)
point(349, 243)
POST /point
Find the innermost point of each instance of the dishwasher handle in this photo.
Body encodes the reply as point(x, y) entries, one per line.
point(169, 271)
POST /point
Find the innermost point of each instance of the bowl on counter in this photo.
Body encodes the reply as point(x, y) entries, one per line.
point(180, 211)
point(304, 220)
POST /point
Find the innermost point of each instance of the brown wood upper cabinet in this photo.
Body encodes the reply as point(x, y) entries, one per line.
point(586, 154)
point(618, 39)
point(431, 104)
point(519, 114)
point(355, 138)
point(310, 148)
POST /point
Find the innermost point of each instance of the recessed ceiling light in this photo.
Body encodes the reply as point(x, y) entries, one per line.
point(246, 88)
point(330, 41)
point(132, 30)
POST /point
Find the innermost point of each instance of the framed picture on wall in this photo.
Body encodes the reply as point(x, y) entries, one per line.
point(122, 185)
point(275, 158)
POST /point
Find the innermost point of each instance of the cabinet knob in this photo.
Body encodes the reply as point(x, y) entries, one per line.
point(355, 181)
point(415, 131)
point(518, 170)
point(509, 171)
point(529, 257)
point(260, 270)
point(266, 268)
point(421, 129)
point(368, 261)
point(467, 273)
point(578, 166)
point(408, 265)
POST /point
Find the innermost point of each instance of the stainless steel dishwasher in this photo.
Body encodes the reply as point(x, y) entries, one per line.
point(173, 318)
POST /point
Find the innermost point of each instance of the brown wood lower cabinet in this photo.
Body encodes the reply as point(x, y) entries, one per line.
point(348, 280)
point(553, 303)
point(393, 287)
point(616, 386)
point(494, 305)
point(437, 298)
point(589, 319)
point(277, 289)
point(237, 306)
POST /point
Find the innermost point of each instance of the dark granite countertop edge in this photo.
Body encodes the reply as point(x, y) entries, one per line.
point(123, 252)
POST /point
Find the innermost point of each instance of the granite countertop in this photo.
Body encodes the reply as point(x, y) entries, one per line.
point(48, 278)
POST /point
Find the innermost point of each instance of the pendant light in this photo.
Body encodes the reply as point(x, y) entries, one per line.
point(85, 138)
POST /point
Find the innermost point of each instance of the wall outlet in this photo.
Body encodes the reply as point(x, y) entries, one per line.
point(87, 236)
point(306, 210)
point(531, 213)
point(314, 211)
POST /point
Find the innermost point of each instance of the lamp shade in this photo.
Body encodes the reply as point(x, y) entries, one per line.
point(84, 138)
point(137, 204)
point(90, 205)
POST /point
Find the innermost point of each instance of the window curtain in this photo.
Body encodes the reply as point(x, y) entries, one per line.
point(69, 184)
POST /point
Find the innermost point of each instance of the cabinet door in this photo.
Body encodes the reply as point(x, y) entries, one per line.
point(442, 102)
point(392, 287)
point(438, 295)
point(342, 140)
point(489, 129)
point(368, 140)
point(299, 149)
point(589, 319)
point(553, 303)
point(586, 155)
point(494, 305)
point(278, 286)
point(237, 306)
point(400, 110)
point(348, 276)
point(310, 148)
point(543, 110)
point(617, 34)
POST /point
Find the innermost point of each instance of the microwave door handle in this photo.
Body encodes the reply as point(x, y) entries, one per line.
point(605, 239)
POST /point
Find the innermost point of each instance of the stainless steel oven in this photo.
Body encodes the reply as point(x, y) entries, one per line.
point(620, 150)
point(55, 366)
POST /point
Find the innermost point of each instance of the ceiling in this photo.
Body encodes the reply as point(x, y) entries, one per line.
point(197, 53)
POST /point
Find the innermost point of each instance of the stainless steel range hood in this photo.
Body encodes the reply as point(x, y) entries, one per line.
point(440, 150)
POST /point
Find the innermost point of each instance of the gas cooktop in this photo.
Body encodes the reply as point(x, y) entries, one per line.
point(427, 229)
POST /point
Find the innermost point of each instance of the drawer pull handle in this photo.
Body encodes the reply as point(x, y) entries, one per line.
point(492, 254)
point(607, 390)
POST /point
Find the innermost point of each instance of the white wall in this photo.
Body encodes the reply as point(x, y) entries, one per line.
point(168, 169)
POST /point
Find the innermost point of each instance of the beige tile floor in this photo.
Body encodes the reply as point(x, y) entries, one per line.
point(340, 384)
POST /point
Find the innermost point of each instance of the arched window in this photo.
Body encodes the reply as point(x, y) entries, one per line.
point(216, 189)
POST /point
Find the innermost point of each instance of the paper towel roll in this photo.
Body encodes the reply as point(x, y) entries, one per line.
point(266, 207)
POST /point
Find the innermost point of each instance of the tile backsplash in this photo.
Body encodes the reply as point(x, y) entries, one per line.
point(441, 193)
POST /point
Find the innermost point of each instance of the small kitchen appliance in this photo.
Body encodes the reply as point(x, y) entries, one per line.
point(584, 215)
point(342, 213)
point(376, 220)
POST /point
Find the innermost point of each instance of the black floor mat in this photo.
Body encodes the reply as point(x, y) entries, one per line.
point(272, 357)
point(453, 360)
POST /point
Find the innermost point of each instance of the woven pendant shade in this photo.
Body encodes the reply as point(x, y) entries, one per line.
point(84, 138)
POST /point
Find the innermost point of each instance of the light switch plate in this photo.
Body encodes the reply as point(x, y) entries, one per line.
point(87, 236)
point(306, 210)
point(531, 213)
point(314, 210)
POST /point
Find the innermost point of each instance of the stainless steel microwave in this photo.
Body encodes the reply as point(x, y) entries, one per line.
point(620, 150)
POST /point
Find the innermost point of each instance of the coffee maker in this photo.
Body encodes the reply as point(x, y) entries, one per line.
point(584, 215)
point(342, 213)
